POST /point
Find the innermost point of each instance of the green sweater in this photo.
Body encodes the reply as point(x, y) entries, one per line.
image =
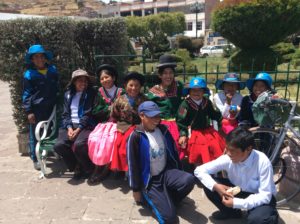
point(198, 117)
point(102, 105)
point(167, 100)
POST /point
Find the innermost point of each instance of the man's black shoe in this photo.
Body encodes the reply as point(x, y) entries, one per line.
point(217, 215)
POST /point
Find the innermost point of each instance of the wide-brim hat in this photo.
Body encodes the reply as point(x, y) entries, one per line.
point(263, 76)
point(232, 78)
point(108, 67)
point(79, 73)
point(37, 49)
point(135, 75)
point(149, 108)
point(195, 83)
point(166, 61)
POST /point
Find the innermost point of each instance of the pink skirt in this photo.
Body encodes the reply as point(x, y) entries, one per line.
point(101, 143)
point(173, 129)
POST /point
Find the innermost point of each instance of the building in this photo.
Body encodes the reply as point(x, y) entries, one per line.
point(199, 20)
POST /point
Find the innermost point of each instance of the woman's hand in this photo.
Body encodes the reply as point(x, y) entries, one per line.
point(75, 133)
point(70, 133)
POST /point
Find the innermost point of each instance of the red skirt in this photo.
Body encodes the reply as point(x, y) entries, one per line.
point(173, 129)
point(205, 145)
point(119, 160)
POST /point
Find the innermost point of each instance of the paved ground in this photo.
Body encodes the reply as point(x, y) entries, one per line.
point(26, 199)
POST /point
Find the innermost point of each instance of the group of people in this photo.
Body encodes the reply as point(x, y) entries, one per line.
point(148, 135)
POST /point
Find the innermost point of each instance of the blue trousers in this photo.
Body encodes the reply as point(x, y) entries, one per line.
point(165, 191)
point(263, 214)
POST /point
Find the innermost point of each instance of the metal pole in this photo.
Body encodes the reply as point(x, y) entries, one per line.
point(196, 23)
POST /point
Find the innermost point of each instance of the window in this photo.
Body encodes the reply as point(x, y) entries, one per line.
point(189, 26)
point(137, 13)
point(199, 25)
point(126, 13)
point(149, 12)
point(162, 9)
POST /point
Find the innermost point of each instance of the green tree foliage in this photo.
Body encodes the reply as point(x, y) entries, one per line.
point(73, 44)
point(154, 29)
point(255, 25)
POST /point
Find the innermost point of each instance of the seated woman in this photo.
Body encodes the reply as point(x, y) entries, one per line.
point(168, 96)
point(77, 123)
point(125, 113)
point(102, 138)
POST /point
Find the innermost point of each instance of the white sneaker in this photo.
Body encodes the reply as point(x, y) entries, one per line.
point(37, 165)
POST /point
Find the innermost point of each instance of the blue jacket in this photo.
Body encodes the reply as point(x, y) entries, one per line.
point(40, 91)
point(138, 156)
point(84, 110)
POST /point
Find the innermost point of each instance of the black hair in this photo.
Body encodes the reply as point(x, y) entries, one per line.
point(108, 72)
point(161, 69)
point(240, 138)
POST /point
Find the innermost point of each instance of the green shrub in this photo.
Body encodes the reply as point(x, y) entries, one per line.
point(184, 55)
point(73, 43)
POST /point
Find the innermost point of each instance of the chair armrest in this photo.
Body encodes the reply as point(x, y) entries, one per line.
point(42, 127)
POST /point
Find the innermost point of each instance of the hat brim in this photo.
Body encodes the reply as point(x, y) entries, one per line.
point(152, 113)
point(219, 84)
point(136, 76)
point(90, 78)
point(250, 83)
point(48, 55)
point(109, 68)
point(186, 90)
point(167, 65)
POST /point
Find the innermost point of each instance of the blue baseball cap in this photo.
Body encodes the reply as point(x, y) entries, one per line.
point(37, 49)
point(149, 108)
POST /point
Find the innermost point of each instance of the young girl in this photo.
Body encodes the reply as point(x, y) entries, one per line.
point(196, 111)
point(125, 112)
point(167, 95)
point(101, 139)
point(40, 91)
point(77, 124)
point(261, 83)
point(229, 100)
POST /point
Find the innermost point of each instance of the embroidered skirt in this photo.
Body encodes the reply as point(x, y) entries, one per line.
point(205, 145)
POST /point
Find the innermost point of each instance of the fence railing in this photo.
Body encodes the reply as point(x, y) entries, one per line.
point(287, 81)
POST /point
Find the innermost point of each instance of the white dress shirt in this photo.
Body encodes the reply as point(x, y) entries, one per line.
point(221, 104)
point(254, 175)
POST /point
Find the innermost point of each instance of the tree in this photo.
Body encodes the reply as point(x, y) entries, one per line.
point(154, 29)
point(255, 25)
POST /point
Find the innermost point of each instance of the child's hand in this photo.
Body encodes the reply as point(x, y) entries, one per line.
point(182, 141)
point(31, 118)
point(228, 98)
point(137, 196)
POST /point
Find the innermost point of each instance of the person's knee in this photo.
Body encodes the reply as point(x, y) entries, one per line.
point(80, 147)
point(171, 218)
point(263, 218)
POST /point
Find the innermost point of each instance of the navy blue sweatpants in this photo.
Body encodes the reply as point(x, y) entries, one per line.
point(165, 191)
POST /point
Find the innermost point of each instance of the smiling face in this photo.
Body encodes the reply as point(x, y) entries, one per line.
point(39, 60)
point(236, 154)
point(81, 83)
point(133, 88)
point(196, 93)
point(230, 88)
point(106, 80)
point(259, 87)
point(167, 77)
point(149, 123)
